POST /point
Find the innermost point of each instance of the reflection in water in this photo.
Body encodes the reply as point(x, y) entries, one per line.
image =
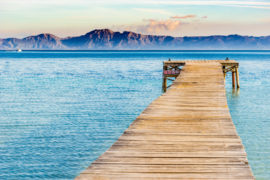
point(236, 92)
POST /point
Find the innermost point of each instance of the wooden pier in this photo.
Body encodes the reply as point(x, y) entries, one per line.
point(171, 70)
point(186, 133)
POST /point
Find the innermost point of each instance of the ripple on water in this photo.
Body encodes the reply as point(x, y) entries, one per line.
point(59, 113)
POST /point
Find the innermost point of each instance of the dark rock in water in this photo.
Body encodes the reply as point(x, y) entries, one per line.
point(107, 39)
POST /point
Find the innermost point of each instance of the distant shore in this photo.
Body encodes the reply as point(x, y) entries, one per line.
point(106, 39)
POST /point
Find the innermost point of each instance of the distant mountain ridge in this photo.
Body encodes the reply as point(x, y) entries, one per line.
point(107, 39)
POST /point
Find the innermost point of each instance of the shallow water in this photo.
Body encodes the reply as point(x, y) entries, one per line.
point(60, 110)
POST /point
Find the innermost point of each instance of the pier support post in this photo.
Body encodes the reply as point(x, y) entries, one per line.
point(237, 77)
point(164, 84)
point(233, 78)
point(224, 74)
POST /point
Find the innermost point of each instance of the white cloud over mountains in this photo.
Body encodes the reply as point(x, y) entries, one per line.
point(165, 26)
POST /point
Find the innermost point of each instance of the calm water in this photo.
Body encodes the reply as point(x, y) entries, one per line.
point(60, 110)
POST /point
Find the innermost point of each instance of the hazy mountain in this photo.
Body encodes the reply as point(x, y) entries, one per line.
point(42, 41)
point(107, 39)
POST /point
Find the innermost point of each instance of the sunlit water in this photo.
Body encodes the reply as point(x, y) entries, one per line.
point(60, 110)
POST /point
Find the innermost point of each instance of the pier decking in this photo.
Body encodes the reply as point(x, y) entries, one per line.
point(187, 133)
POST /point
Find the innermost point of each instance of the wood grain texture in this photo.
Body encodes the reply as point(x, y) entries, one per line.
point(187, 133)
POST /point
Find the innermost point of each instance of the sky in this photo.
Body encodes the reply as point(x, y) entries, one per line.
point(21, 18)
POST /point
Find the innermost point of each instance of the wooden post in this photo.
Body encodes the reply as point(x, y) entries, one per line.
point(223, 68)
point(237, 77)
point(233, 78)
point(164, 84)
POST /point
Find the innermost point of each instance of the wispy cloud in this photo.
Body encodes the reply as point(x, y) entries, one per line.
point(170, 2)
point(184, 17)
point(248, 6)
point(214, 2)
point(150, 10)
point(236, 3)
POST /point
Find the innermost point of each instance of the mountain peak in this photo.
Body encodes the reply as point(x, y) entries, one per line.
point(129, 33)
point(100, 31)
point(43, 36)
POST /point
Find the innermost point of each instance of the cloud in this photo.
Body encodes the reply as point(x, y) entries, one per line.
point(158, 26)
point(247, 4)
point(153, 26)
point(167, 26)
point(184, 17)
point(203, 2)
point(172, 24)
point(235, 3)
point(149, 10)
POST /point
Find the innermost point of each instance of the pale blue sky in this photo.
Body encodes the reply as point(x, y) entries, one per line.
point(19, 18)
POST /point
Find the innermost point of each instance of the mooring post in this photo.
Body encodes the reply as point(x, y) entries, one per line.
point(233, 78)
point(237, 77)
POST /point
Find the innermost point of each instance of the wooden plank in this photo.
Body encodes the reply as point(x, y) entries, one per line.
point(187, 133)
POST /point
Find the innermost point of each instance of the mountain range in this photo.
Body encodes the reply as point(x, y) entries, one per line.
point(105, 39)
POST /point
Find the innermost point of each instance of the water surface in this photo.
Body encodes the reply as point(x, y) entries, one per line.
point(60, 110)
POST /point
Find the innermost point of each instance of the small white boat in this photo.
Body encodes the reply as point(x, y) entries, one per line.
point(19, 50)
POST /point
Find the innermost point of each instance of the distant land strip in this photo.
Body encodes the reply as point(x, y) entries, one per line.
point(106, 39)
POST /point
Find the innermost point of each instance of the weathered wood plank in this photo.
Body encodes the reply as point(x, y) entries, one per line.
point(187, 133)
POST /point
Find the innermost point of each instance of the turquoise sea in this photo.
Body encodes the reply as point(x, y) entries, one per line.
point(60, 110)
